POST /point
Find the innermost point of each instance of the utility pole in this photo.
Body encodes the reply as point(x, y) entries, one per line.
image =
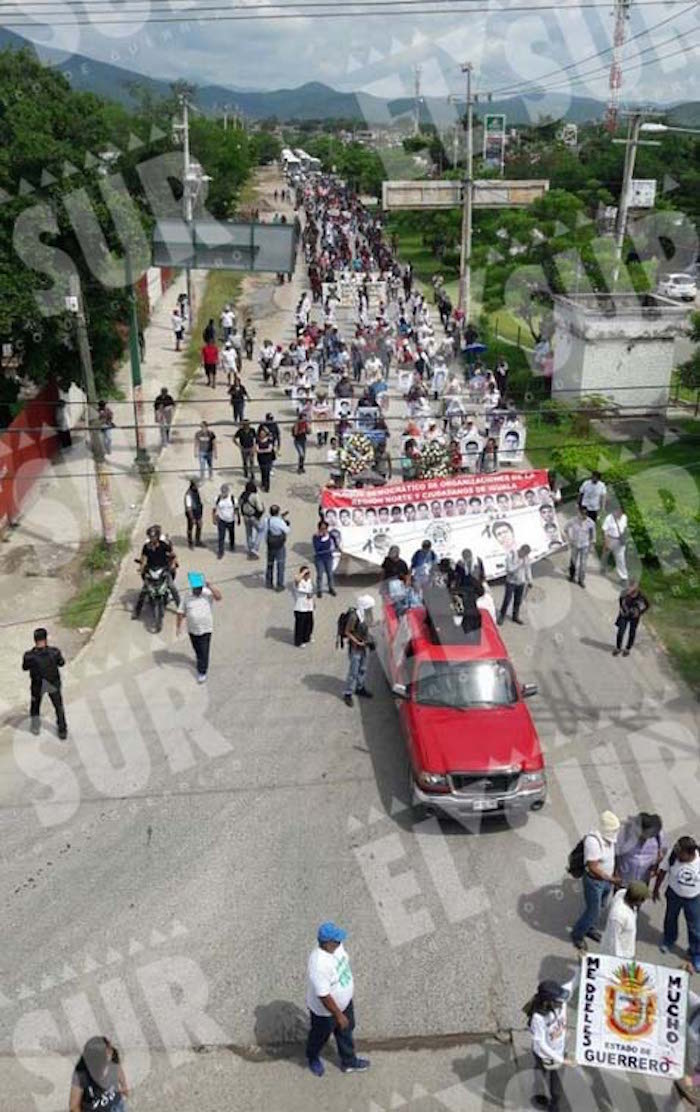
point(74, 304)
point(416, 100)
point(632, 141)
point(187, 200)
point(142, 459)
point(467, 198)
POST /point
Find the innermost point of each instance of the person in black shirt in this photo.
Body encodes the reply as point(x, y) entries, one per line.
point(274, 430)
point(157, 553)
point(246, 440)
point(98, 1081)
point(393, 566)
point(43, 663)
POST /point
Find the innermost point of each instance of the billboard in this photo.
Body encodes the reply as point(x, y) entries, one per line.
point(225, 245)
point(490, 514)
point(494, 141)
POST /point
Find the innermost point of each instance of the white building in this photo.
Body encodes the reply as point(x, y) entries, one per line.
point(615, 346)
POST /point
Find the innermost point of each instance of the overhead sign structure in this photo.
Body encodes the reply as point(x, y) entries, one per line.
point(225, 245)
point(631, 1016)
point(495, 141)
point(398, 195)
point(642, 193)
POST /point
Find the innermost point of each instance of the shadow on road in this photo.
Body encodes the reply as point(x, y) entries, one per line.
point(552, 909)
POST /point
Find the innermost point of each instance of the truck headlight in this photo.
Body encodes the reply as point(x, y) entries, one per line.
point(533, 779)
point(432, 781)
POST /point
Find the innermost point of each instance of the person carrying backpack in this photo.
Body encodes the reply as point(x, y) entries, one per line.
point(353, 627)
point(225, 514)
point(593, 860)
point(252, 510)
point(547, 1021)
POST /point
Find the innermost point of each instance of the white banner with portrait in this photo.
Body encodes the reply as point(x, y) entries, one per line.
point(489, 514)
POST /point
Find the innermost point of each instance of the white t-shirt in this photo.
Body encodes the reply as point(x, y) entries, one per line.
point(620, 934)
point(596, 848)
point(328, 975)
point(227, 319)
point(197, 611)
point(229, 359)
point(225, 507)
point(615, 527)
point(683, 876)
point(592, 494)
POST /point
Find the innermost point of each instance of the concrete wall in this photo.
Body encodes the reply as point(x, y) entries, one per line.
point(625, 355)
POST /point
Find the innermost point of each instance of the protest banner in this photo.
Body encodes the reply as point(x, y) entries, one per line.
point(489, 514)
point(631, 1016)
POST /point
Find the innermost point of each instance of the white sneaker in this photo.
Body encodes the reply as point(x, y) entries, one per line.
point(201, 677)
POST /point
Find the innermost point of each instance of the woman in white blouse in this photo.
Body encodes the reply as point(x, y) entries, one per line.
point(303, 590)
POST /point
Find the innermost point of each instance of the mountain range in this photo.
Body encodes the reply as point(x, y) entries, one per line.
point(316, 101)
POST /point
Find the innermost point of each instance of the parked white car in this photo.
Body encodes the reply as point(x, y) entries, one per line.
point(682, 286)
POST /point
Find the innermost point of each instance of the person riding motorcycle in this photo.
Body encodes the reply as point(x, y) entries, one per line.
point(157, 553)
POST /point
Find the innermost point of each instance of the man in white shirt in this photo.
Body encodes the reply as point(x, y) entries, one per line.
point(592, 494)
point(615, 541)
point(682, 865)
point(518, 577)
point(599, 878)
point(580, 533)
point(195, 609)
point(620, 934)
point(228, 320)
point(329, 992)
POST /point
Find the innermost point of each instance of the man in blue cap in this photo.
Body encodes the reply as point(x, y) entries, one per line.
point(195, 608)
point(329, 991)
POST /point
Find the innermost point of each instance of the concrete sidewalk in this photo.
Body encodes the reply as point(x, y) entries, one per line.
point(40, 559)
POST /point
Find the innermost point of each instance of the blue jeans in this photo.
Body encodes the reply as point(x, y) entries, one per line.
point(278, 557)
point(206, 462)
point(690, 906)
point(322, 1027)
point(596, 894)
point(324, 563)
point(252, 533)
point(357, 670)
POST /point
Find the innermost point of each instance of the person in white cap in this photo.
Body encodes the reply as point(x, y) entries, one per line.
point(359, 645)
point(599, 878)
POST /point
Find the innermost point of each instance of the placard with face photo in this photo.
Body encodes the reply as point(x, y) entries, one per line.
point(511, 445)
point(343, 408)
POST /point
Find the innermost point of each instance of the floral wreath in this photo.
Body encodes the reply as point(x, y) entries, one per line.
point(434, 461)
point(356, 454)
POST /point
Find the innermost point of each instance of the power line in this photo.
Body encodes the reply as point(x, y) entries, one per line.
point(381, 8)
point(598, 71)
point(515, 89)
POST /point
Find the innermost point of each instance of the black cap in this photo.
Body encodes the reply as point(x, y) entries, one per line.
point(40, 634)
point(552, 990)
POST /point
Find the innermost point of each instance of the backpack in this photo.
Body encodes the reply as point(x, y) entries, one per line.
point(342, 627)
point(247, 507)
point(576, 866)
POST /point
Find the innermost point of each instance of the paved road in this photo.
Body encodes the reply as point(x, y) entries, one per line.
point(163, 874)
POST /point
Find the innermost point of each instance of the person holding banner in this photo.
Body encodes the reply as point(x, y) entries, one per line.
point(547, 1018)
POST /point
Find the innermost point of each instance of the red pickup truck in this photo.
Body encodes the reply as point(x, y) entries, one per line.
point(472, 745)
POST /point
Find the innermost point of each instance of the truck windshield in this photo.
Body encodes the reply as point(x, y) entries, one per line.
point(468, 684)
